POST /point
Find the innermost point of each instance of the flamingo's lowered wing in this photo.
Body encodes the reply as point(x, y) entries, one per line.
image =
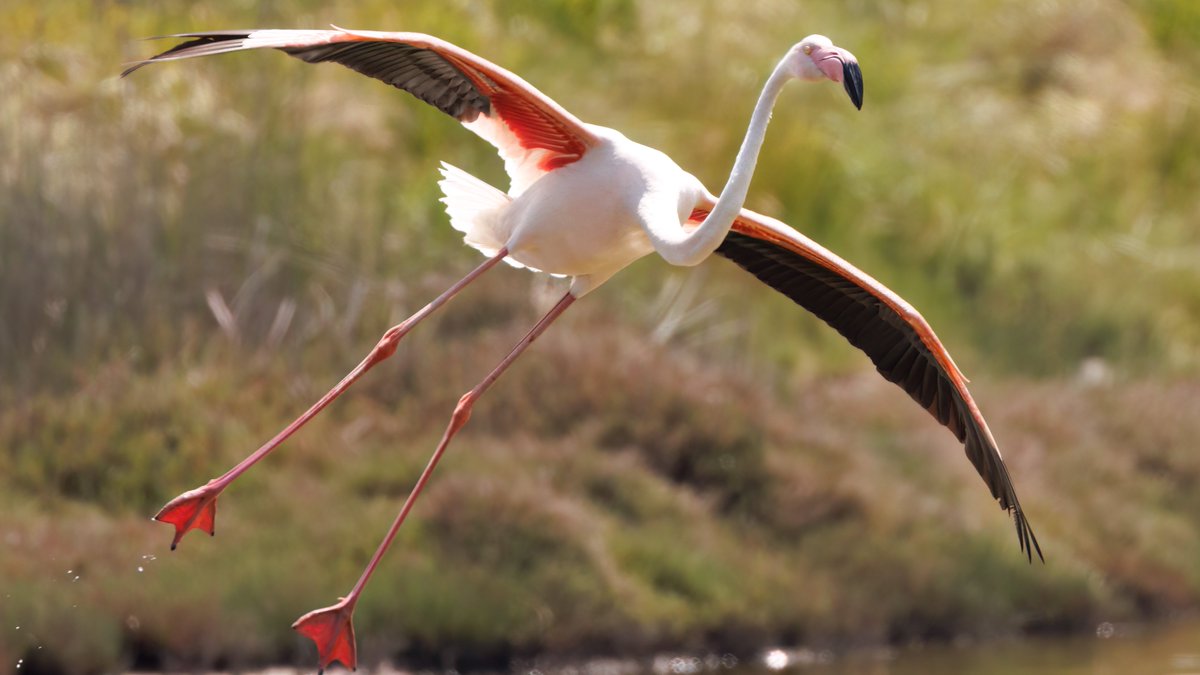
point(532, 133)
point(897, 339)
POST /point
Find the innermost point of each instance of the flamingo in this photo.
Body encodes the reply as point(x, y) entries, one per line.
point(584, 202)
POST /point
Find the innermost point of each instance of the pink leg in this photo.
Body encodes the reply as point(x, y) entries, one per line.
point(331, 628)
point(197, 509)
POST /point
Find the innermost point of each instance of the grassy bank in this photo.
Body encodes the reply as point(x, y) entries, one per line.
point(190, 257)
point(656, 502)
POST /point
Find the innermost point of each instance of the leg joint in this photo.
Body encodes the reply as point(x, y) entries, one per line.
point(462, 411)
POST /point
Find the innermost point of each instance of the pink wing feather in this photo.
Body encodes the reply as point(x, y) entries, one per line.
point(532, 133)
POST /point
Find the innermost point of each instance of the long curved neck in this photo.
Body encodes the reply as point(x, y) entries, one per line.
point(720, 219)
point(682, 247)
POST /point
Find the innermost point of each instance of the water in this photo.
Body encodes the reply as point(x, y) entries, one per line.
point(1172, 649)
point(1114, 650)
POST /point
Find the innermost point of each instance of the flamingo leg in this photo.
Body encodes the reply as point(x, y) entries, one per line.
point(197, 509)
point(331, 627)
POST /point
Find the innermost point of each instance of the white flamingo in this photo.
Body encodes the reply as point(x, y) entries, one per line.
point(585, 202)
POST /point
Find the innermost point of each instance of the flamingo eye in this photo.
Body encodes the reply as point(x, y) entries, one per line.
point(808, 49)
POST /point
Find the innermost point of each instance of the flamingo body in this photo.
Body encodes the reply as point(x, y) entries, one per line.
point(588, 219)
point(584, 202)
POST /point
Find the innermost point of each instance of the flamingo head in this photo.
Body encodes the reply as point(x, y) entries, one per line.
point(815, 57)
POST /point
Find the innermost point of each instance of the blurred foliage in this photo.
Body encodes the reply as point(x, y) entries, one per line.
point(1012, 174)
point(867, 526)
point(190, 256)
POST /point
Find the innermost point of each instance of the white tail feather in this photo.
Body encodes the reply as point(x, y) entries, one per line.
point(474, 208)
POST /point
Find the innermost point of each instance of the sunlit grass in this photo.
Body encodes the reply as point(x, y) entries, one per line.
point(1027, 198)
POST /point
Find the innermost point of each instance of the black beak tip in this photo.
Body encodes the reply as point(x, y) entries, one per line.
point(853, 82)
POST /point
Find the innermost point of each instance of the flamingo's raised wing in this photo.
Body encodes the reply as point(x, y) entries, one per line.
point(897, 339)
point(532, 133)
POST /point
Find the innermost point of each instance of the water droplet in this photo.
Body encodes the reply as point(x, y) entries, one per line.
point(141, 569)
point(776, 659)
point(19, 662)
point(18, 628)
point(75, 579)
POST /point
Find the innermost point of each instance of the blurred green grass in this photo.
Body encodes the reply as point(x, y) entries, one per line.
point(190, 256)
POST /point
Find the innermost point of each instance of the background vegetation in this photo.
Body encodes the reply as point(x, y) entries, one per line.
point(190, 256)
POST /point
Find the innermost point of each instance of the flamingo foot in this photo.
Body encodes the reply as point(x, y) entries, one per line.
point(332, 630)
point(192, 510)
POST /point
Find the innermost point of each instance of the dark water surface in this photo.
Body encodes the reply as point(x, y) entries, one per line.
point(1172, 649)
point(1164, 649)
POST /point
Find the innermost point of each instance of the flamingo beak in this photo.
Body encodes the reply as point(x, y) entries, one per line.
point(840, 65)
point(852, 81)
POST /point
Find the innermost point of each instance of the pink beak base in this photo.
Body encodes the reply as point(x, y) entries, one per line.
point(840, 65)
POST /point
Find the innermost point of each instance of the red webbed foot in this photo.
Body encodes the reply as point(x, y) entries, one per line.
point(332, 630)
point(192, 510)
